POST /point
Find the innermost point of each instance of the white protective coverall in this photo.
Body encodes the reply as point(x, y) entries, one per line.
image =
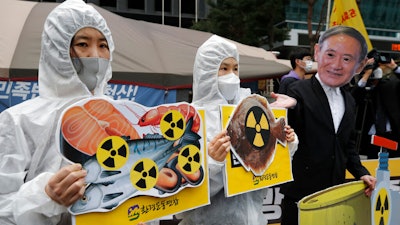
point(243, 209)
point(28, 150)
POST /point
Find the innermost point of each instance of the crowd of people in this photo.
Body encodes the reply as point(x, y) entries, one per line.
point(75, 63)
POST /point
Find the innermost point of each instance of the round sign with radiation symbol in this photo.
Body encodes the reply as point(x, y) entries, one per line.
point(112, 153)
point(257, 127)
point(144, 174)
point(382, 208)
point(172, 125)
point(189, 159)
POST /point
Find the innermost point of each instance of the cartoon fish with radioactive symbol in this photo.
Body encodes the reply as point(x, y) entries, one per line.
point(130, 150)
point(254, 133)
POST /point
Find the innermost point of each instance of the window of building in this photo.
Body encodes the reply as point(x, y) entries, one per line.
point(108, 3)
point(137, 4)
point(158, 5)
point(188, 6)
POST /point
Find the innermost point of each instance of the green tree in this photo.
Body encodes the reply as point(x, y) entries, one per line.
point(250, 22)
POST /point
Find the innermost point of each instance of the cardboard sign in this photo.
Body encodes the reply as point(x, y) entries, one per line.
point(259, 156)
point(142, 163)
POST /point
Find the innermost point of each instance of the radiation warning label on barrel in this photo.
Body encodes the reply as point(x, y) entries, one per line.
point(382, 208)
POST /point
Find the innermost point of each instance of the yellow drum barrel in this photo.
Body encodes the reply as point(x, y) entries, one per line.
point(341, 204)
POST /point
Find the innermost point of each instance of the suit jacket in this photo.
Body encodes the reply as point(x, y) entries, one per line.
point(323, 156)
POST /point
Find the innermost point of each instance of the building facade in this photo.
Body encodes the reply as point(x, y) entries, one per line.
point(381, 20)
point(180, 13)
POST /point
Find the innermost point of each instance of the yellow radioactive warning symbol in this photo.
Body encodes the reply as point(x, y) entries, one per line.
point(257, 127)
point(189, 159)
point(144, 174)
point(112, 153)
point(172, 125)
point(382, 208)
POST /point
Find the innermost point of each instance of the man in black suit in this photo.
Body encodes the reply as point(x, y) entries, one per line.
point(324, 119)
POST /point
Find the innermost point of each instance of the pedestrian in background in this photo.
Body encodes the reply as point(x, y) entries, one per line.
point(301, 62)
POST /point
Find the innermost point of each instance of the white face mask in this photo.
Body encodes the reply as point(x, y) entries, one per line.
point(229, 85)
point(308, 66)
point(90, 70)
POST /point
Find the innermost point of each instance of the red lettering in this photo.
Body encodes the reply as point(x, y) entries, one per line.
point(345, 17)
point(395, 47)
point(352, 13)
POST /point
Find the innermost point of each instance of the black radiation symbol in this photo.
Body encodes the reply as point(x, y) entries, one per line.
point(172, 125)
point(144, 174)
point(381, 215)
point(257, 127)
point(112, 153)
point(189, 159)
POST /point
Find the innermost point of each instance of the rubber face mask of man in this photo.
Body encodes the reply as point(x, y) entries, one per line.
point(90, 56)
point(228, 78)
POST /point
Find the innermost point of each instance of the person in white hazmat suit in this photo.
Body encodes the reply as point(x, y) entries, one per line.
point(37, 185)
point(216, 81)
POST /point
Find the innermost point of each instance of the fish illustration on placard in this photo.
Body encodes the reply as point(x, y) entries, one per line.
point(129, 150)
point(254, 133)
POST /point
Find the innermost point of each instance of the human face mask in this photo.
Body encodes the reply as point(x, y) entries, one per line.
point(90, 70)
point(308, 66)
point(229, 85)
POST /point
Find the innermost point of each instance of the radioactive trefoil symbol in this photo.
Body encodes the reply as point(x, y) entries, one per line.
point(144, 174)
point(257, 127)
point(382, 207)
point(112, 153)
point(189, 159)
point(172, 125)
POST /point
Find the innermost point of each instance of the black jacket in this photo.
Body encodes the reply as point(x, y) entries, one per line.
point(323, 155)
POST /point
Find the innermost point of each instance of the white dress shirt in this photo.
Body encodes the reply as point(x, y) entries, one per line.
point(336, 102)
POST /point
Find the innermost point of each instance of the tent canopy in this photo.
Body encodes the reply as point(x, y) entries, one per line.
point(146, 53)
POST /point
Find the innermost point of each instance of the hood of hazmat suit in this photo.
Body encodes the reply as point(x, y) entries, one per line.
point(240, 209)
point(27, 131)
point(206, 93)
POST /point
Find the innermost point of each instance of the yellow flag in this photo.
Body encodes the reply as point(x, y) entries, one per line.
point(345, 12)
